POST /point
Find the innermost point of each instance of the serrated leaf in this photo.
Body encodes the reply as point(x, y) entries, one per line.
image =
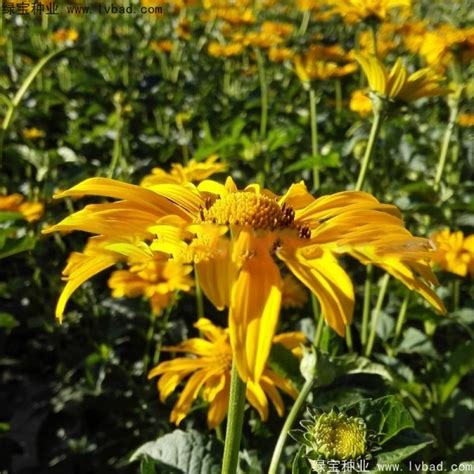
point(386, 416)
point(183, 452)
point(403, 446)
point(300, 465)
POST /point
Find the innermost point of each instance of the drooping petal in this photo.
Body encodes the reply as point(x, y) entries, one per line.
point(329, 283)
point(218, 405)
point(257, 398)
point(253, 316)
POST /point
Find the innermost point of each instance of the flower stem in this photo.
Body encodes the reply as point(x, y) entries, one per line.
point(304, 23)
point(401, 316)
point(454, 108)
point(314, 135)
point(318, 319)
point(376, 314)
point(263, 93)
point(235, 421)
point(288, 424)
point(366, 308)
point(374, 133)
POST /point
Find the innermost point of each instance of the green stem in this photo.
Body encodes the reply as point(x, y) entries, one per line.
point(235, 421)
point(338, 94)
point(456, 291)
point(20, 93)
point(374, 132)
point(366, 308)
point(350, 345)
point(318, 319)
point(288, 424)
point(199, 297)
point(373, 31)
point(263, 93)
point(454, 108)
point(304, 22)
point(376, 314)
point(401, 316)
point(314, 134)
point(149, 337)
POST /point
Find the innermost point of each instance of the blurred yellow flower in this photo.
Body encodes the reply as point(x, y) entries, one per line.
point(293, 294)
point(278, 55)
point(466, 120)
point(354, 11)
point(235, 239)
point(154, 278)
point(64, 35)
point(385, 40)
point(360, 103)
point(398, 83)
point(454, 252)
point(311, 66)
point(194, 171)
point(165, 46)
point(225, 50)
point(33, 133)
point(183, 29)
point(209, 374)
point(31, 211)
point(232, 15)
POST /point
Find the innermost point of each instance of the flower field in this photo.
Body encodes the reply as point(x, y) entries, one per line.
point(236, 236)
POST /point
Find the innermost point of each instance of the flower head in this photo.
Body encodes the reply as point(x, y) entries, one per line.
point(209, 374)
point(235, 239)
point(360, 103)
point(33, 133)
point(31, 211)
point(155, 278)
point(398, 83)
point(454, 252)
point(193, 171)
point(466, 120)
point(64, 35)
point(354, 11)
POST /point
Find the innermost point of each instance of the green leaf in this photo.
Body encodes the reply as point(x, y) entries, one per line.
point(12, 247)
point(403, 446)
point(7, 321)
point(353, 364)
point(182, 452)
point(300, 465)
point(386, 416)
point(147, 466)
point(6, 216)
point(284, 363)
point(459, 363)
point(414, 341)
point(308, 162)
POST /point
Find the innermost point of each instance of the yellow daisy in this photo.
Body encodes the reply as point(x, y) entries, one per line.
point(193, 171)
point(354, 11)
point(454, 252)
point(31, 211)
point(155, 278)
point(209, 373)
point(235, 238)
point(398, 83)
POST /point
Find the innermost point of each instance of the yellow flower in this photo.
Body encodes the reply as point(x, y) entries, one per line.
point(466, 120)
point(311, 67)
point(64, 35)
point(234, 238)
point(398, 83)
point(33, 133)
point(354, 11)
point(293, 294)
point(454, 252)
point(360, 103)
point(155, 278)
point(31, 211)
point(164, 46)
point(194, 171)
point(385, 40)
point(232, 15)
point(226, 51)
point(278, 55)
point(209, 374)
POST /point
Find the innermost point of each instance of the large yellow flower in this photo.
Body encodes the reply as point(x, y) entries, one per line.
point(209, 373)
point(454, 252)
point(398, 83)
point(155, 278)
point(235, 238)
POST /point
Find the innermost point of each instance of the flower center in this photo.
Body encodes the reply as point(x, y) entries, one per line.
point(248, 209)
